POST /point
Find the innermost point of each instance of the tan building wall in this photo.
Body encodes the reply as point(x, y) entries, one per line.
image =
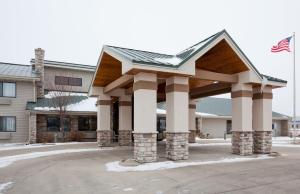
point(215, 127)
point(51, 72)
point(17, 108)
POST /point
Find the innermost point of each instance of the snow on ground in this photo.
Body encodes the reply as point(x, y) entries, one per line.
point(208, 144)
point(128, 189)
point(4, 186)
point(19, 146)
point(117, 167)
point(8, 160)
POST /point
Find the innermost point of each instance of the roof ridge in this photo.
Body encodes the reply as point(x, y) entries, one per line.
point(201, 42)
point(140, 50)
point(14, 64)
point(62, 62)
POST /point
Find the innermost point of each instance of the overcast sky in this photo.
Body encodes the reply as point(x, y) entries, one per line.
point(75, 30)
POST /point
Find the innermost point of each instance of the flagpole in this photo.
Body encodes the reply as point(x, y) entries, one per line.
point(294, 99)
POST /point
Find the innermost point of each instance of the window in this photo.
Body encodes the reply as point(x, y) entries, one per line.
point(88, 123)
point(53, 123)
point(61, 80)
point(70, 81)
point(7, 124)
point(228, 126)
point(7, 89)
point(75, 81)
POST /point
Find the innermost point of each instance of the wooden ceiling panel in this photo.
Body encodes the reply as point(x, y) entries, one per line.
point(109, 70)
point(221, 59)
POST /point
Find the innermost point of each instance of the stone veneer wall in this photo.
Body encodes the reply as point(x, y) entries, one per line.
point(104, 137)
point(125, 138)
point(262, 142)
point(32, 128)
point(145, 147)
point(242, 142)
point(177, 147)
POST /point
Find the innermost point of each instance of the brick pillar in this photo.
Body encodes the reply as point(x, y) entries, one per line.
point(192, 121)
point(242, 135)
point(104, 132)
point(125, 121)
point(74, 123)
point(145, 132)
point(262, 120)
point(32, 128)
point(177, 118)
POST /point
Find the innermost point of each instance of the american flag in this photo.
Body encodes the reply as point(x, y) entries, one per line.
point(283, 45)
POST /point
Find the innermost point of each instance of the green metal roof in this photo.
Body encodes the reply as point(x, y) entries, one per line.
point(216, 106)
point(16, 70)
point(175, 61)
point(158, 59)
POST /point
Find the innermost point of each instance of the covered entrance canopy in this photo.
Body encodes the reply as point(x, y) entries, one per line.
point(213, 66)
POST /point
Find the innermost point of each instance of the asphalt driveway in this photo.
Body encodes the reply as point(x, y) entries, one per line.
point(86, 172)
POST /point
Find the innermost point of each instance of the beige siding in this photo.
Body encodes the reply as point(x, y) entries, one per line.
point(51, 72)
point(17, 108)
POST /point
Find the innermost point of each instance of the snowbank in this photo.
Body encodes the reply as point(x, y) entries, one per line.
point(4, 186)
point(8, 160)
point(19, 146)
point(116, 167)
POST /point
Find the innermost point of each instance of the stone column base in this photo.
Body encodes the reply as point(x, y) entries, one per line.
point(192, 136)
point(145, 147)
point(125, 137)
point(177, 147)
point(262, 142)
point(242, 142)
point(104, 137)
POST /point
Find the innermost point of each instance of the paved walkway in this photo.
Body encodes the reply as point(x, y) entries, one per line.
point(85, 172)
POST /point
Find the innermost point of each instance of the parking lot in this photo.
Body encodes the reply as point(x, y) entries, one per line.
point(84, 168)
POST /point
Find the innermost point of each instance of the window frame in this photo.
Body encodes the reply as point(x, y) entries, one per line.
point(15, 119)
point(2, 89)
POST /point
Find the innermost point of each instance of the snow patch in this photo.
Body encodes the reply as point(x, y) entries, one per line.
point(128, 189)
point(8, 160)
point(208, 144)
point(19, 146)
point(116, 167)
point(4, 186)
point(172, 60)
point(53, 94)
point(86, 105)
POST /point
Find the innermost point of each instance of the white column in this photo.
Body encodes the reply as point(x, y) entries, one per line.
point(125, 120)
point(177, 117)
point(242, 139)
point(145, 103)
point(104, 133)
point(262, 119)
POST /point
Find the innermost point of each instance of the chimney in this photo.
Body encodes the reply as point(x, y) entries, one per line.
point(38, 68)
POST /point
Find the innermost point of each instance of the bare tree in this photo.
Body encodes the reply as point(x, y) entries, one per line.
point(60, 97)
